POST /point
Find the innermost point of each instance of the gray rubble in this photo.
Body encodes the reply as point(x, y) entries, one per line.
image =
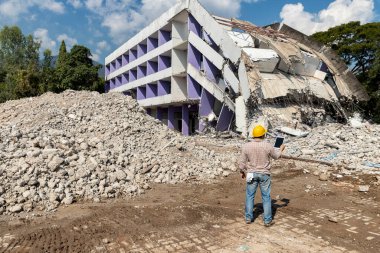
point(355, 149)
point(60, 148)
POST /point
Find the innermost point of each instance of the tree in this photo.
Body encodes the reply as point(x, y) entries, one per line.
point(77, 71)
point(359, 46)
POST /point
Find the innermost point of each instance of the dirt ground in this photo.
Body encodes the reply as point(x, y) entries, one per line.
point(196, 217)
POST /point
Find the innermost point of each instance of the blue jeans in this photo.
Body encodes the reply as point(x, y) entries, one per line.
point(264, 181)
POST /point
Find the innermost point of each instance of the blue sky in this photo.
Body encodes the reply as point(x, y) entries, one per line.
point(103, 25)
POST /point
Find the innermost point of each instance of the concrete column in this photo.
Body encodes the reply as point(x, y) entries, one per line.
point(151, 67)
point(163, 88)
point(152, 43)
point(194, 26)
point(171, 117)
point(193, 88)
point(194, 57)
point(185, 120)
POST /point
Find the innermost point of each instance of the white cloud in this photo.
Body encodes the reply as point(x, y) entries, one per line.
point(42, 35)
point(70, 42)
point(338, 12)
point(102, 45)
point(95, 57)
point(75, 3)
point(94, 4)
point(12, 9)
point(123, 18)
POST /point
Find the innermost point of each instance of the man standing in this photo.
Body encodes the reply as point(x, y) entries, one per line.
point(255, 167)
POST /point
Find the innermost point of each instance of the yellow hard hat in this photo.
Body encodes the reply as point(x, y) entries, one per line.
point(258, 131)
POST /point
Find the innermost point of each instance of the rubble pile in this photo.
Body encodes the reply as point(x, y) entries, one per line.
point(59, 148)
point(355, 147)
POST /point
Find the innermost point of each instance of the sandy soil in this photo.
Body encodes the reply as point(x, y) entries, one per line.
point(198, 217)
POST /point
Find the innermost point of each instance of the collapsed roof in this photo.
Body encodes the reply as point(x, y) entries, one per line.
point(292, 77)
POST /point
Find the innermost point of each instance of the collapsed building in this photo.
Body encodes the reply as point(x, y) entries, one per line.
point(193, 71)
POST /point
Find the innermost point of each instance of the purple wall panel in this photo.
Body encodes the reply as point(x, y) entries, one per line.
point(118, 81)
point(164, 62)
point(225, 118)
point(163, 37)
point(185, 120)
point(107, 86)
point(151, 90)
point(194, 89)
point(132, 55)
point(124, 78)
point(194, 57)
point(160, 112)
point(112, 68)
point(124, 59)
point(112, 83)
point(194, 26)
point(118, 63)
point(210, 41)
point(141, 72)
point(171, 117)
point(211, 71)
point(163, 88)
point(132, 75)
point(207, 103)
point(141, 50)
point(107, 69)
point(152, 43)
point(141, 93)
point(152, 67)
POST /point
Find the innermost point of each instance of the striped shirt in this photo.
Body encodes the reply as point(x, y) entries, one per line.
point(255, 156)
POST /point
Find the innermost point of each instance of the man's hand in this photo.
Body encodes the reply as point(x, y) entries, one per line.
point(282, 147)
point(242, 173)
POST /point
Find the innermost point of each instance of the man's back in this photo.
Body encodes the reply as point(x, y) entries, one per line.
point(256, 156)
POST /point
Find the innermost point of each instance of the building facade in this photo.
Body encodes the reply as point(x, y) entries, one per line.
point(186, 69)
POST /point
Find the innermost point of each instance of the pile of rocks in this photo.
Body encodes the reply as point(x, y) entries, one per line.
point(60, 148)
point(355, 148)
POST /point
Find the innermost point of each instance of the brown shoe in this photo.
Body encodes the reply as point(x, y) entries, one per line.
point(248, 221)
point(271, 223)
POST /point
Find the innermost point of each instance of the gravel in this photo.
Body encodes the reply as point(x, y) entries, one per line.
point(57, 149)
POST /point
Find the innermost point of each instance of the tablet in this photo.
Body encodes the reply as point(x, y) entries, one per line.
point(279, 141)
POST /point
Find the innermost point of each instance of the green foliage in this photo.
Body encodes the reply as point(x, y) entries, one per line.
point(77, 71)
point(23, 75)
point(359, 46)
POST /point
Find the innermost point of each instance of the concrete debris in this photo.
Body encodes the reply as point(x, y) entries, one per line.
point(343, 146)
point(363, 188)
point(293, 132)
point(323, 177)
point(60, 148)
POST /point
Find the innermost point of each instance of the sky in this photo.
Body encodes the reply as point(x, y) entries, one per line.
point(104, 25)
